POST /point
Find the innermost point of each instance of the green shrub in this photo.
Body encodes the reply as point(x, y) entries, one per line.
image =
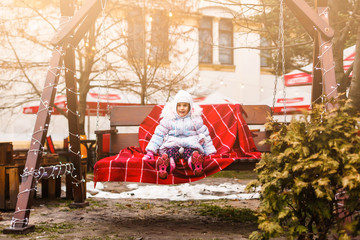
point(313, 164)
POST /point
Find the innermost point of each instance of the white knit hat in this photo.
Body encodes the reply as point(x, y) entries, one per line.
point(183, 99)
point(182, 96)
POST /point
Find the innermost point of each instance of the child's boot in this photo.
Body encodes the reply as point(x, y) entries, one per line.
point(196, 163)
point(163, 163)
point(172, 165)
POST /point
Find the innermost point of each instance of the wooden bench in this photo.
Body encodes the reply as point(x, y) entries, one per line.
point(132, 116)
point(12, 164)
point(9, 177)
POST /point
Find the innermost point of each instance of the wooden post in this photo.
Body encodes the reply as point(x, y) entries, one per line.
point(329, 85)
point(317, 25)
point(61, 40)
point(24, 201)
point(73, 119)
point(27, 188)
point(316, 89)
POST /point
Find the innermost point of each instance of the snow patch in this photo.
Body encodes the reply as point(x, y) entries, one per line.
point(181, 192)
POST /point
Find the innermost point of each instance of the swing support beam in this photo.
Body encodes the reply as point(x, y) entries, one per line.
point(71, 34)
point(316, 23)
point(64, 41)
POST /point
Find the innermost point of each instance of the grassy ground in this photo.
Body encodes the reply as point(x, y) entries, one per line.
point(135, 219)
point(244, 175)
point(140, 219)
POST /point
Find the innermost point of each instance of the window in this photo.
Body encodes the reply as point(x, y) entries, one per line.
point(136, 33)
point(225, 41)
point(159, 36)
point(205, 40)
point(216, 32)
point(265, 54)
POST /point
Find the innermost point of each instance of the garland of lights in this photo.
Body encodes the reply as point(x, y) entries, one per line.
point(60, 169)
point(327, 46)
point(44, 173)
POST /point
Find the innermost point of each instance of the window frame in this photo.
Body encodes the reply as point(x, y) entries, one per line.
point(264, 54)
point(209, 46)
point(136, 25)
point(230, 34)
point(160, 31)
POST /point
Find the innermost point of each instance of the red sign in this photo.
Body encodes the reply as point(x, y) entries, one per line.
point(298, 79)
point(290, 100)
point(110, 97)
point(290, 109)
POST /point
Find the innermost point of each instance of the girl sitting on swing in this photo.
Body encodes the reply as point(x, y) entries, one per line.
point(180, 134)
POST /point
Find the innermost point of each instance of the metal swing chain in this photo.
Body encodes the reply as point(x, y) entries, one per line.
point(282, 53)
point(281, 48)
point(104, 56)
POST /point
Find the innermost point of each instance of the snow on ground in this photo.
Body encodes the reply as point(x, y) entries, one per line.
point(182, 192)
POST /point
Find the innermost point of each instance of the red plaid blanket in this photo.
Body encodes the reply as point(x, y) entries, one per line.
point(231, 137)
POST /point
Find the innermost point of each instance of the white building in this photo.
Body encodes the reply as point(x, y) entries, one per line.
point(223, 56)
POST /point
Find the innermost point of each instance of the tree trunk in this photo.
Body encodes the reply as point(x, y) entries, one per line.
point(354, 93)
point(84, 81)
point(143, 92)
point(82, 111)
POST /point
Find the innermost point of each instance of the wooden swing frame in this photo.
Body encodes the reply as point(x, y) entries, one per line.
point(68, 37)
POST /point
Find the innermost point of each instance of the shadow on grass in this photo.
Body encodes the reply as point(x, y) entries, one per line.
point(228, 213)
point(235, 174)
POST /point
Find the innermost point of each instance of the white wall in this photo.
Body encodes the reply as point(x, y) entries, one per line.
point(18, 127)
point(244, 84)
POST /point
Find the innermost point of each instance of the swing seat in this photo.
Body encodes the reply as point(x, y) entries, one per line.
point(227, 124)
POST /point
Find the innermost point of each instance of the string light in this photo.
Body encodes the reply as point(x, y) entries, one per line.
point(328, 45)
point(50, 70)
point(51, 85)
point(324, 12)
point(59, 51)
point(72, 112)
point(72, 91)
point(60, 169)
point(54, 172)
point(14, 221)
point(70, 70)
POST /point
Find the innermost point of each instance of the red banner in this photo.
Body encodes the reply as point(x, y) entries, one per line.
point(298, 79)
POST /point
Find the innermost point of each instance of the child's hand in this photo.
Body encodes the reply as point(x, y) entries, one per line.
point(201, 139)
point(149, 156)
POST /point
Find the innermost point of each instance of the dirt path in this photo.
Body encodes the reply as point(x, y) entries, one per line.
point(134, 219)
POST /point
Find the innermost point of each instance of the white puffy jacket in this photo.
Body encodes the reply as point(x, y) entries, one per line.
point(176, 131)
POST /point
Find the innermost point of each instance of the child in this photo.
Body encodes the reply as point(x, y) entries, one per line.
point(180, 134)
